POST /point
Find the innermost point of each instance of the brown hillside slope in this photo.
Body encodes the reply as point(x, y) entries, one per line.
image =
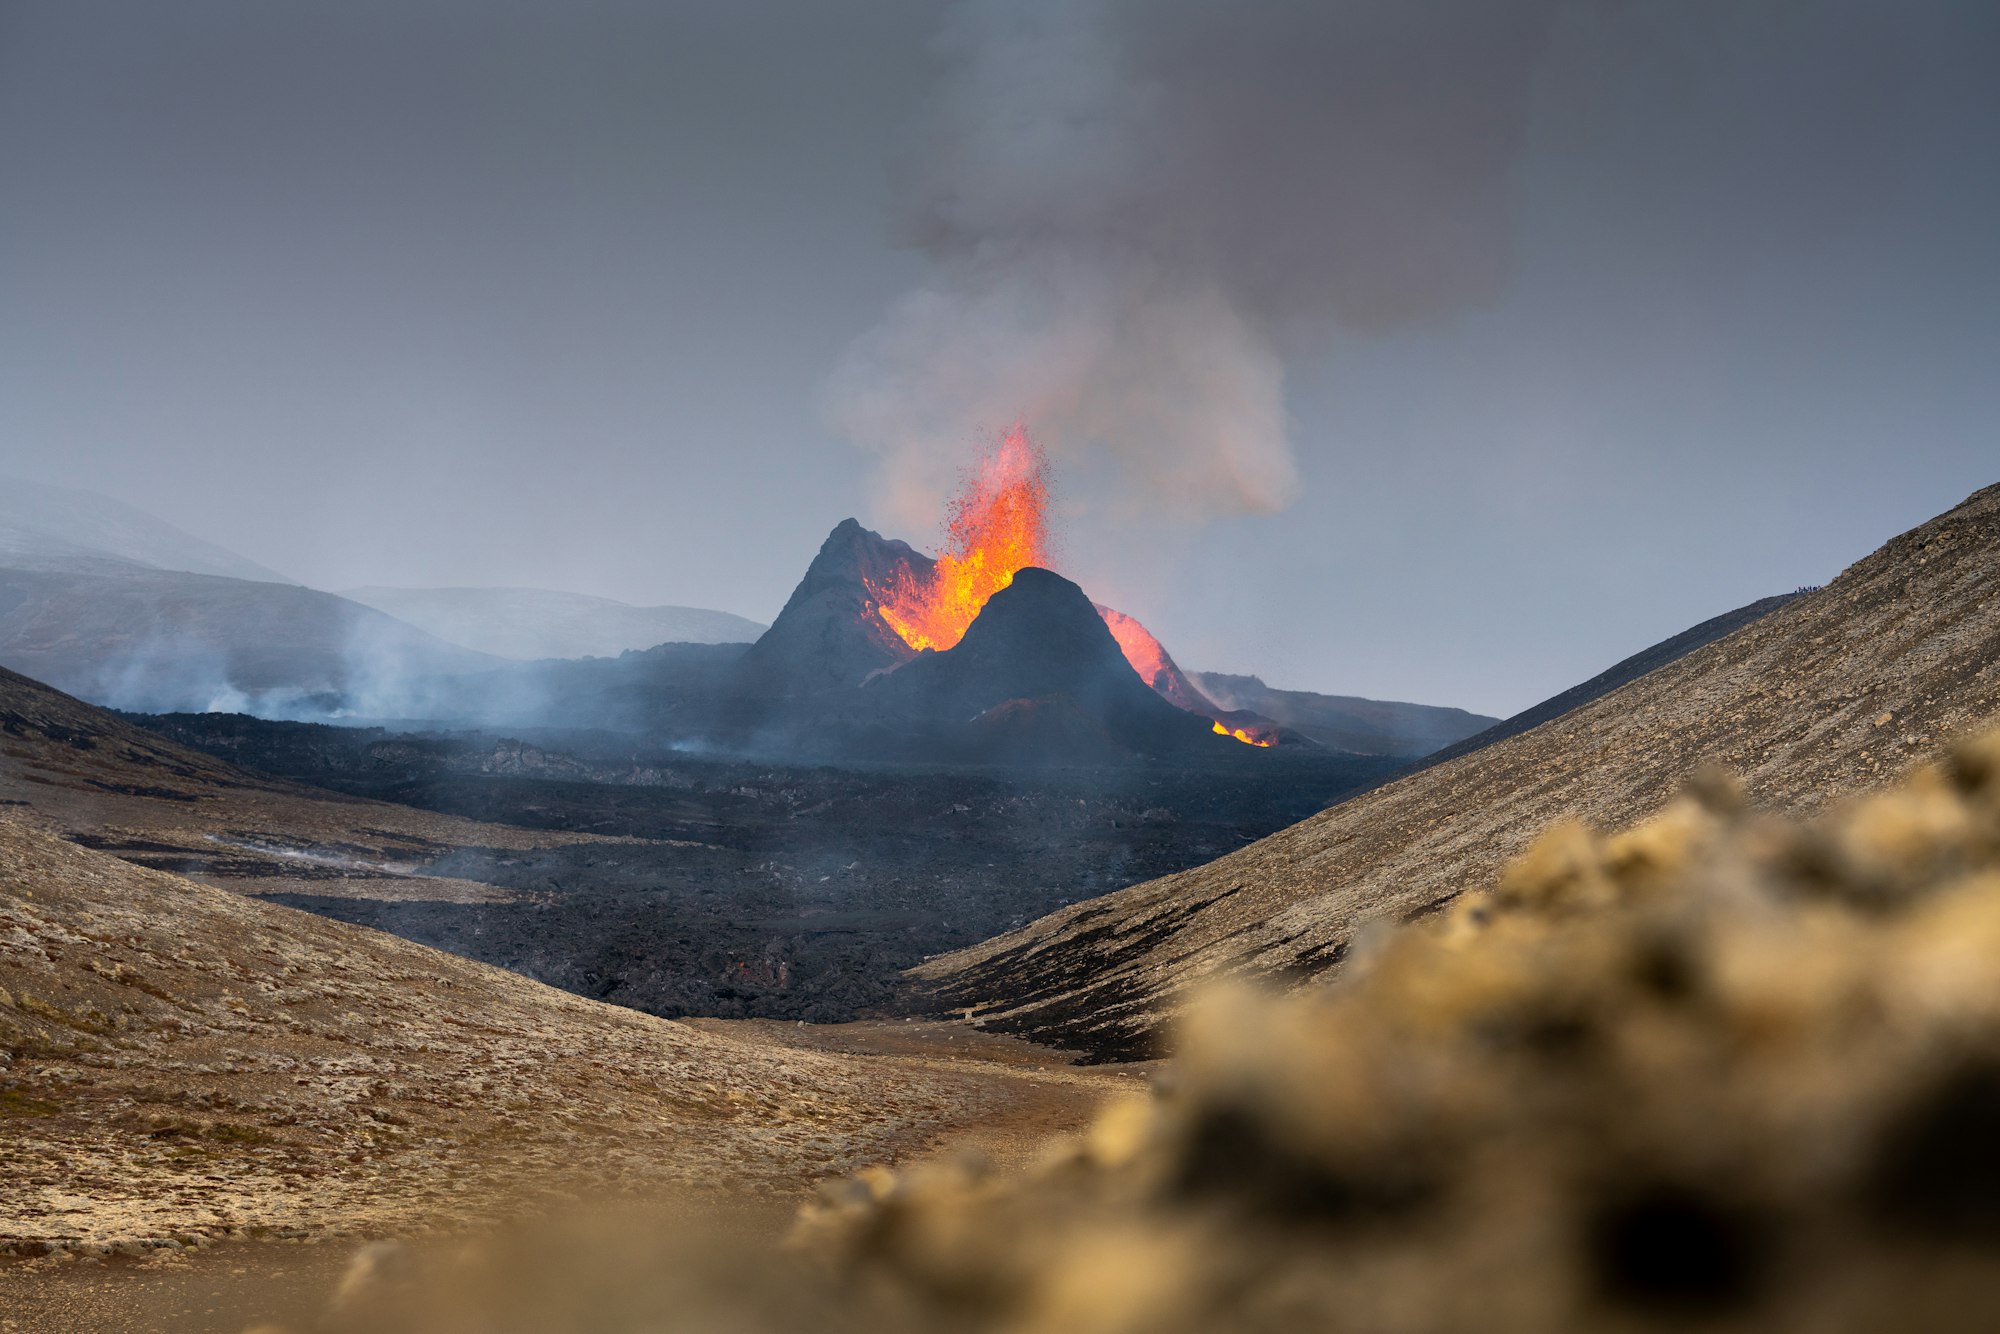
point(1831, 694)
point(74, 769)
point(178, 1062)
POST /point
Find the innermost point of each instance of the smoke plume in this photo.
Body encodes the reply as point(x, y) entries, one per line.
point(1134, 209)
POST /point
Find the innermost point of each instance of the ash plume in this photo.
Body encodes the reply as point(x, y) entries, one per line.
point(1135, 209)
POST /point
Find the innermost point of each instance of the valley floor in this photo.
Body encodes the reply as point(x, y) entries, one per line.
point(994, 1095)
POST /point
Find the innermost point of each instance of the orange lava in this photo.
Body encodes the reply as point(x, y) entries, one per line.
point(998, 524)
point(1248, 738)
point(1146, 654)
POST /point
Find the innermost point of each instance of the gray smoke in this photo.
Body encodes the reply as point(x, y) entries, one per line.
point(1134, 209)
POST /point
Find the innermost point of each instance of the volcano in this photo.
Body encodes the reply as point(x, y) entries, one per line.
point(1073, 675)
point(1038, 672)
point(830, 636)
point(1150, 659)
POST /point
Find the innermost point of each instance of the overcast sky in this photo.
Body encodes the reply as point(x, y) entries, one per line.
point(1433, 351)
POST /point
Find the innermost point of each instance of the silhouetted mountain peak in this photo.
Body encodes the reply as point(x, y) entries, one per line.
point(829, 637)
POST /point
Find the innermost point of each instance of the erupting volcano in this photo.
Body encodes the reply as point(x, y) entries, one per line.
point(998, 525)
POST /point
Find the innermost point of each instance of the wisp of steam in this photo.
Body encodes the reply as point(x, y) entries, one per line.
point(1134, 209)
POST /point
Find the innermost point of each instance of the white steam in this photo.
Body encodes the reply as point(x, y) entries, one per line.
point(1134, 208)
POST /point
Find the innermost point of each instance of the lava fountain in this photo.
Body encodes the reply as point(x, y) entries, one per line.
point(997, 525)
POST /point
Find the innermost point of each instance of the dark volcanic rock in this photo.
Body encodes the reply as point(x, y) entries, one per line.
point(1344, 722)
point(1053, 729)
point(1040, 641)
point(749, 889)
point(828, 637)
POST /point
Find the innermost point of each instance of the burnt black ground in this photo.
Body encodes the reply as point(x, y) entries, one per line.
point(786, 891)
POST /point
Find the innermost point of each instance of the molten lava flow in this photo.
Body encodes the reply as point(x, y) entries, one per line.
point(997, 525)
point(1146, 654)
point(1247, 737)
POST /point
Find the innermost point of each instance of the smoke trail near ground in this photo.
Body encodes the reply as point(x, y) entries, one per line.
point(1135, 208)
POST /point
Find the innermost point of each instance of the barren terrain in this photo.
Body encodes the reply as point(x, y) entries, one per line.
point(732, 887)
point(1831, 694)
point(179, 1064)
point(69, 768)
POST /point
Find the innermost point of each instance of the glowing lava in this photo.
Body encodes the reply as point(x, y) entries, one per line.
point(1146, 654)
point(997, 525)
point(1247, 737)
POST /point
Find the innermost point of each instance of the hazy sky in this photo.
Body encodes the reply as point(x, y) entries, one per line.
point(1435, 351)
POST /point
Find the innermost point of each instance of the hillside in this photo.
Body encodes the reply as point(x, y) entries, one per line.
point(71, 769)
point(178, 1063)
point(1721, 1072)
point(1828, 695)
point(1626, 669)
point(162, 640)
point(528, 624)
point(60, 528)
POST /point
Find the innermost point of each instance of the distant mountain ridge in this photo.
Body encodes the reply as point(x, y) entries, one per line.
point(1627, 669)
point(166, 641)
point(60, 528)
point(122, 608)
point(531, 624)
point(1346, 722)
